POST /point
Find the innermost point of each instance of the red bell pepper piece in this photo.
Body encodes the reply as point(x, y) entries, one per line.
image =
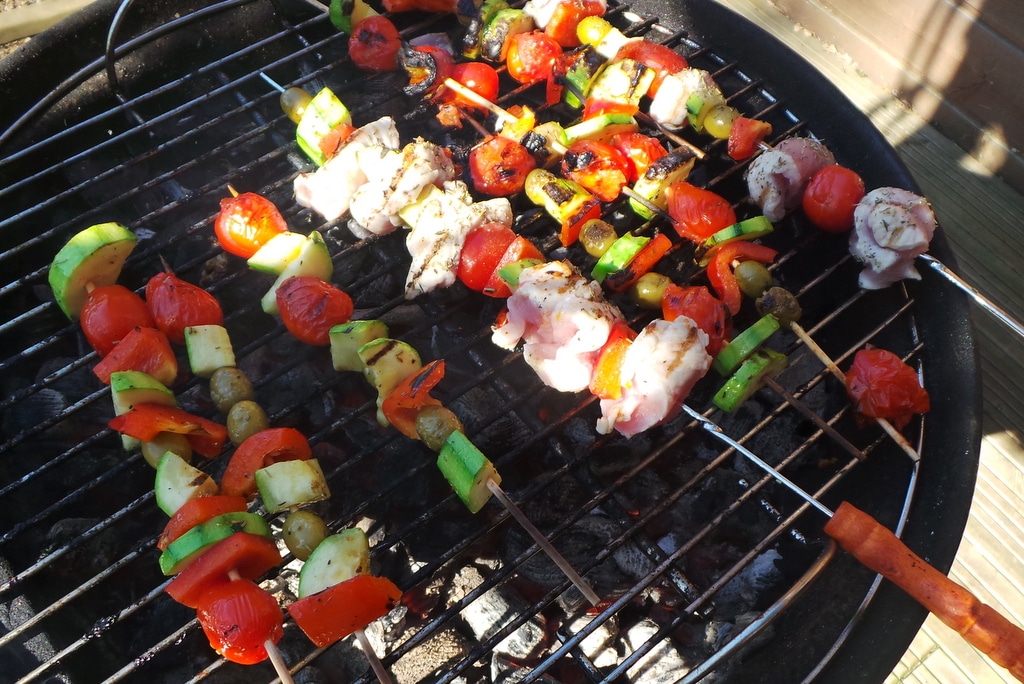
point(703, 308)
point(641, 263)
point(250, 555)
point(720, 268)
point(143, 349)
point(520, 248)
point(336, 612)
point(405, 401)
point(145, 421)
point(196, 511)
point(745, 136)
point(262, 449)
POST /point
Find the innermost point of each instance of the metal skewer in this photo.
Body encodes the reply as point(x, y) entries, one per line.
point(982, 301)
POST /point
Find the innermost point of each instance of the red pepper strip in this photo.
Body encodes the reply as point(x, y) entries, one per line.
point(145, 421)
point(405, 401)
point(640, 264)
point(745, 135)
point(720, 269)
point(334, 613)
point(196, 511)
point(250, 555)
point(572, 225)
point(606, 383)
point(143, 349)
point(262, 449)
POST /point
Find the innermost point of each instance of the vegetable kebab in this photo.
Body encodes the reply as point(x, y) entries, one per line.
point(212, 545)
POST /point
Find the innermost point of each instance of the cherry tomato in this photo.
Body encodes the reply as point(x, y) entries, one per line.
point(310, 307)
point(745, 135)
point(703, 308)
point(481, 78)
point(882, 386)
point(567, 16)
point(831, 196)
point(246, 222)
point(111, 312)
point(530, 56)
point(664, 60)
point(696, 213)
point(641, 151)
point(483, 249)
point(177, 304)
point(238, 617)
point(374, 44)
point(499, 166)
point(520, 248)
point(597, 166)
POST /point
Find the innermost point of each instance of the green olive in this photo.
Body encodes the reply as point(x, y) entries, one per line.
point(718, 122)
point(154, 449)
point(245, 419)
point(597, 236)
point(228, 386)
point(294, 102)
point(781, 303)
point(302, 532)
point(648, 290)
point(434, 424)
point(753, 278)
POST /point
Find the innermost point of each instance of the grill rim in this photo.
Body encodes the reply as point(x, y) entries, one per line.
point(707, 24)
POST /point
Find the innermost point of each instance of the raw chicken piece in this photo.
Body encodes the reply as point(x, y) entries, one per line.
point(660, 368)
point(329, 189)
point(438, 232)
point(668, 107)
point(563, 321)
point(394, 180)
point(891, 227)
point(776, 180)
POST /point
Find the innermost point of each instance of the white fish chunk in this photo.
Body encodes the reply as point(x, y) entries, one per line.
point(777, 178)
point(891, 227)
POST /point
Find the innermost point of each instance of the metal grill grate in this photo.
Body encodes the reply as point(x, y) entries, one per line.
point(667, 526)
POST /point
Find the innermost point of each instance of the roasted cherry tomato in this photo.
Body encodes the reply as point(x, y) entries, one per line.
point(310, 307)
point(177, 304)
point(483, 249)
point(238, 617)
point(641, 151)
point(745, 136)
point(696, 213)
point(703, 308)
point(246, 222)
point(499, 166)
point(530, 56)
point(374, 44)
point(567, 16)
point(111, 312)
point(597, 166)
point(882, 386)
point(831, 196)
point(481, 78)
point(663, 59)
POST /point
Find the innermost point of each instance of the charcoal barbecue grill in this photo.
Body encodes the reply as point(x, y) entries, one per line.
point(711, 572)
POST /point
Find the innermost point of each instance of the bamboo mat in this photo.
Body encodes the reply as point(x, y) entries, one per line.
point(983, 219)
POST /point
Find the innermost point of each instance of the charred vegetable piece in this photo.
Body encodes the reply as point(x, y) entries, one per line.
point(321, 115)
point(622, 81)
point(347, 338)
point(405, 402)
point(336, 559)
point(662, 173)
point(564, 200)
point(427, 68)
point(882, 386)
point(91, 258)
point(642, 262)
point(338, 611)
point(146, 421)
point(203, 536)
point(473, 37)
point(467, 470)
point(178, 482)
point(388, 362)
point(249, 555)
point(618, 255)
point(572, 74)
point(745, 344)
point(597, 166)
point(497, 34)
point(749, 378)
point(345, 14)
point(246, 222)
point(290, 484)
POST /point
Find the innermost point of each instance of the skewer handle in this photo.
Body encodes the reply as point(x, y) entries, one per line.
point(980, 299)
point(543, 542)
point(882, 551)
